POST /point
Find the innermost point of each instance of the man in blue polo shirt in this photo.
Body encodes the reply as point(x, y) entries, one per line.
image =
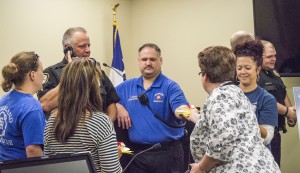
point(150, 103)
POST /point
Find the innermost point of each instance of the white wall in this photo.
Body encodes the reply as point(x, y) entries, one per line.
point(38, 25)
point(182, 28)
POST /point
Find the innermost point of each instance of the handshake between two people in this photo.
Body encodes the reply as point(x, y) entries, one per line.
point(187, 112)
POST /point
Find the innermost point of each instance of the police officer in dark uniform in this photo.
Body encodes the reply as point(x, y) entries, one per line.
point(270, 80)
point(76, 43)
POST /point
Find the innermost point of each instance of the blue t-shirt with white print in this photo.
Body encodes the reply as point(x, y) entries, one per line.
point(22, 123)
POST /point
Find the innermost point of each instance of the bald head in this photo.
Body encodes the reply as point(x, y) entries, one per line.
point(240, 37)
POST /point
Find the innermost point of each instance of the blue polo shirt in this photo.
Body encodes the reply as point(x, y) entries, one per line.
point(164, 97)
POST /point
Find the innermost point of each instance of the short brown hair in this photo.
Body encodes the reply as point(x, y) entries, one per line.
point(218, 63)
point(151, 45)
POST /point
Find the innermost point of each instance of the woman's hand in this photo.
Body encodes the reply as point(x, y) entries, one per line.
point(195, 168)
point(195, 114)
point(119, 151)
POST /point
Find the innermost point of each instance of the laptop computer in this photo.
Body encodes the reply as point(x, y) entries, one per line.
point(60, 163)
point(296, 91)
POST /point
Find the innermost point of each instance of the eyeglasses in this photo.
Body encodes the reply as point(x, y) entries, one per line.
point(35, 59)
point(201, 72)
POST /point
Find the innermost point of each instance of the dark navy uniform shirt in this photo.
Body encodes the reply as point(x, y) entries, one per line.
point(270, 80)
point(52, 76)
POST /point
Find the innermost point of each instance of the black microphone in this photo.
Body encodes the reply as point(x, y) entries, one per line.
point(155, 146)
point(143, 98)
point(105, 65)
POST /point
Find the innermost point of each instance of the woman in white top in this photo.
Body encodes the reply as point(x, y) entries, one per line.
point(226, 137)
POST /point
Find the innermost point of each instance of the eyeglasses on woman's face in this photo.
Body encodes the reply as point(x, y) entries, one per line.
point(201, 72)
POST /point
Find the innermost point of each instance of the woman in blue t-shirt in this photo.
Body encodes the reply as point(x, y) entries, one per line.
point(249, 61)
point(22, 120)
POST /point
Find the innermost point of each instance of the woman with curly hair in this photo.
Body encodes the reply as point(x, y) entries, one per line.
point(249, 61)
point(226, 137)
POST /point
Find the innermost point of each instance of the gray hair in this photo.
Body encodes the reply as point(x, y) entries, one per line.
point(67, 38)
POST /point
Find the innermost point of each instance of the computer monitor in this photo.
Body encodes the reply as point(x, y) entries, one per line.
point(60, 163)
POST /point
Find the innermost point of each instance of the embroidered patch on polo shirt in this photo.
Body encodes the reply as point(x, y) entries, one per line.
point(158, 97)
point(133, 98)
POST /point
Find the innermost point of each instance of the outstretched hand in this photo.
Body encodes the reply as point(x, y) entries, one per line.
point(195, 115)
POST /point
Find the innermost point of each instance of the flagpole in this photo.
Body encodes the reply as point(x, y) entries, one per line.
point(117, 75)
point(114, 8)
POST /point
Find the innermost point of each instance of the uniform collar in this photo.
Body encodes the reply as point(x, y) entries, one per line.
point(226, 83)
point(271, 73)
point(62, 63)
point(267, 71)
point(157, 82)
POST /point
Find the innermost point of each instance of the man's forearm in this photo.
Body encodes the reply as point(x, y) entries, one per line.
point(112, 112)
point(50, 100)
point(281, 108)
point(287, 101)
point(287, 111)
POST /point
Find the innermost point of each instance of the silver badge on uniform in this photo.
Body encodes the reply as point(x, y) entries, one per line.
point(276, 73)
point(45, 78)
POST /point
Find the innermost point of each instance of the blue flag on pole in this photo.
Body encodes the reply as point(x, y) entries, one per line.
point(117, 74)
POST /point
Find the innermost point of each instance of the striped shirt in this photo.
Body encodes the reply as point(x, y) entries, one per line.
point(95, 135)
